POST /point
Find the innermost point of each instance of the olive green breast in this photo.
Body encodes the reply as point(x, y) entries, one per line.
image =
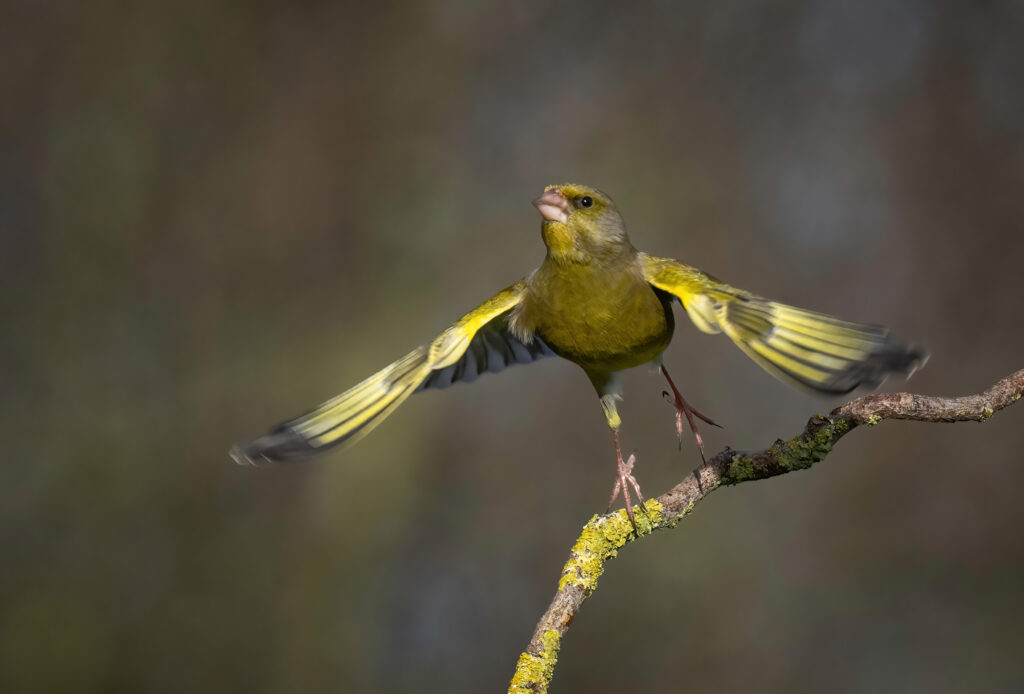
point(603, 318)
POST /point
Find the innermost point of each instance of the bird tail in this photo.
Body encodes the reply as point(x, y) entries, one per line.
point(343, 419)
point(814, 350)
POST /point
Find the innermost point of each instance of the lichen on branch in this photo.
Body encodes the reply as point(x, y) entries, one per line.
point(604, 535)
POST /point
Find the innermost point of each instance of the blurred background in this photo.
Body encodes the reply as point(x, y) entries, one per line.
point(216, 215)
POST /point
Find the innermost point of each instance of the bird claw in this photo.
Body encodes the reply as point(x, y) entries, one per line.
point(625, 474)
point(683, 408)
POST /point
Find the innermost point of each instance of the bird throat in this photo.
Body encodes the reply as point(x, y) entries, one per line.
point(562, 244)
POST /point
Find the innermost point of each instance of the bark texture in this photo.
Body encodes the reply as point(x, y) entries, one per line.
point(603, 536)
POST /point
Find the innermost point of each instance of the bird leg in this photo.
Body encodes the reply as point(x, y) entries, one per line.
point(684, 408)
point(624, 474)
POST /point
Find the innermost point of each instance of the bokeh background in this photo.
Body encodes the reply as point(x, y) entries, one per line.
point(217, 214)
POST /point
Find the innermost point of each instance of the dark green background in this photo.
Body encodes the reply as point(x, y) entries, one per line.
point(215, 215)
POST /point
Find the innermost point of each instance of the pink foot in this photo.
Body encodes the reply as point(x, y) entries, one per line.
point(624, 475)
point(684, 408)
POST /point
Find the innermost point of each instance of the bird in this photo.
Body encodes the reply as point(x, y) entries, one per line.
point(600, 303)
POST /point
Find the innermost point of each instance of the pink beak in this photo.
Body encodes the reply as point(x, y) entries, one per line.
point(553, 206)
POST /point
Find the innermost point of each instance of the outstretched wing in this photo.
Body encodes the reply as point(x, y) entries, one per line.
point(803, 348)
point(480, 341)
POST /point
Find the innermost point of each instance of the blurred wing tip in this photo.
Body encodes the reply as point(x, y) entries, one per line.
point(906, 362)
point(242, 456)
point(236, 455)
point(239, 455)
point(279, 446)
point(918, 359)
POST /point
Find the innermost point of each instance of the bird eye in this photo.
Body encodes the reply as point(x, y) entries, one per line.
point(586, 201)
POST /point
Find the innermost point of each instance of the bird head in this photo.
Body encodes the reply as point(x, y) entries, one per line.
point(580, 223)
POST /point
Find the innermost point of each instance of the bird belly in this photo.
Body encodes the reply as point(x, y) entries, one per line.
point(617, 331)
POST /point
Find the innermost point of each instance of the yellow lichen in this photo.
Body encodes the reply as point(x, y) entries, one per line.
point(600, 541)
point(533, 672)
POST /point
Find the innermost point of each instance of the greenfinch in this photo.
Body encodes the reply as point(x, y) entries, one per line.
point(599, 302)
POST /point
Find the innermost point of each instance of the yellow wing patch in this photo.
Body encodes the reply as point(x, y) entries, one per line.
point(804, 348)
point(348, 417)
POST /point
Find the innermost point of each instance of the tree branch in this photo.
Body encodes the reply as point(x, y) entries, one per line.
point(604, 535)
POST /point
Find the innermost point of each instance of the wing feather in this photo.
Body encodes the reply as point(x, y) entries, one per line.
point(804, 348)
point(479, 342)
point(494, 348)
